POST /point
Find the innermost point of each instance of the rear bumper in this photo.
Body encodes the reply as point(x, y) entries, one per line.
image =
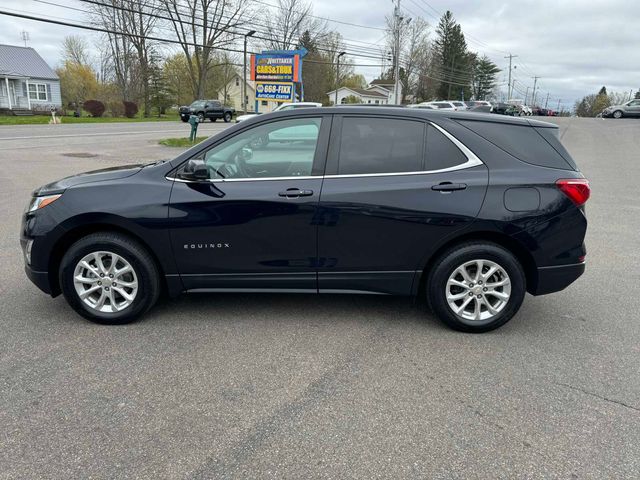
point(555, 278)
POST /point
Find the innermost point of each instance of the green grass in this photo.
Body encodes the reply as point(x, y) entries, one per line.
point(180, 142)
point(44, 119)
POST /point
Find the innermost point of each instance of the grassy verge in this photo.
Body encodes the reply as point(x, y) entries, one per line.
point(44, 119)
point(180, 142)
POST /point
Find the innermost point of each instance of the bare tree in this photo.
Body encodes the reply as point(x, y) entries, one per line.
point(290, 19)
point(135, 21)
point(201, 27)
point(75, 49)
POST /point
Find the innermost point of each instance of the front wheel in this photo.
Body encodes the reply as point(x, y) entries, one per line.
point(109, 278)
point(476, 287)
point(227, 117)
point(617, 114)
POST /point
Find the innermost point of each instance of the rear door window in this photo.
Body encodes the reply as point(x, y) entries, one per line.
point(380, 145)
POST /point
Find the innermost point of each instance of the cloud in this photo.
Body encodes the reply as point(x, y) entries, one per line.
point(575, 46)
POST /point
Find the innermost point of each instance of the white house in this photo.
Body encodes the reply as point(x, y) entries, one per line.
point(234, 96)
point(378, 92)
point(26, 81)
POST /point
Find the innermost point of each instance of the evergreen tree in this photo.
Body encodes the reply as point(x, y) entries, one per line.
point(452, 59)
point(484, 77)
point(603, 91)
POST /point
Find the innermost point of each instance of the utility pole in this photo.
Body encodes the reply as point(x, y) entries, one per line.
point(250, 33)
point(396, 73)
point(558, 109)
point(546, 101)
point(25, 37)
point(533, 98)
point(526, 96)
point(510, 57)
point(338, 77)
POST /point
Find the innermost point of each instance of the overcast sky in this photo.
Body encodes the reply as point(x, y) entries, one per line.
point(575, 46)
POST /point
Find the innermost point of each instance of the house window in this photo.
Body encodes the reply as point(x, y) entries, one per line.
point(264, 103)
point(377, 101)
point(237, 82)
point(3, 89)
point(38, 91)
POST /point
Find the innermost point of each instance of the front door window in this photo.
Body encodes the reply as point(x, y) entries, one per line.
point(284, 148)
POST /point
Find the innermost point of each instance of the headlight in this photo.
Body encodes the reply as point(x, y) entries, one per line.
point(40, 202)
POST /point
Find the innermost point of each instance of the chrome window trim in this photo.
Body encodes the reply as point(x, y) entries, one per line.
point(472, 161)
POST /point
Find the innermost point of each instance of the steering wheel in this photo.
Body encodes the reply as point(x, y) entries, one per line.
point(241, 165)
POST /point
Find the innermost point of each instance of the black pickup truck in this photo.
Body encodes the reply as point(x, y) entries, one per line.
point(211, 109)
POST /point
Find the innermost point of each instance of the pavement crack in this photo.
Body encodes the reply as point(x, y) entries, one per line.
point(601, 397)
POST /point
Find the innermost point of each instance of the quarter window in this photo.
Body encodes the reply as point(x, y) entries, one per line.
point(441, 152)
point(38, 91)
point(284, 148)
point(380, 145)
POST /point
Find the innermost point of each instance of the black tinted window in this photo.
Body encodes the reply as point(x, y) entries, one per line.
point(523, 142)
point(441, 152)
point(380, 145)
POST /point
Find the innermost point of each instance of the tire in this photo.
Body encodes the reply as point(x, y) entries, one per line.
point(466, 256)
point(142, 282)
point(200, 117)
point(227, 117)
point(617, 114)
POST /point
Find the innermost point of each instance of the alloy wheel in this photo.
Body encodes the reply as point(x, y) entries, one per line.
point(478, 290)
point(105, 282)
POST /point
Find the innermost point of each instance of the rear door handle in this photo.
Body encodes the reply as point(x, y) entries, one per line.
point(449, 187)
point(295, 193)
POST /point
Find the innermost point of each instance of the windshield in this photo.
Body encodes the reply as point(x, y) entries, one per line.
point(197, 104)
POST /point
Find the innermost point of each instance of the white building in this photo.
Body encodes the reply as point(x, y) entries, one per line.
point(379, 92)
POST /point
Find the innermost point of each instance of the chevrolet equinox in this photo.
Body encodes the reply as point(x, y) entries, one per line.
point(469, 210)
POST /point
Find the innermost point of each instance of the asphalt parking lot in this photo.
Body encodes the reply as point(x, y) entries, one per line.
point(275, 386)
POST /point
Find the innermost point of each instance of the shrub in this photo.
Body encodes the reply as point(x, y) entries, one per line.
point(94, 107)
point(130, 109)
point(116, 109)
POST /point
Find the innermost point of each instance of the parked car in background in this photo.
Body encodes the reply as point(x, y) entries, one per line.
point(296, 201)
point(279, 108)
point(481, 109)
point(629, 109)
point(506, 109)
point(442, 105)
point(422, 105)
point(477, 103)
point(211, 109)
point(459, 105)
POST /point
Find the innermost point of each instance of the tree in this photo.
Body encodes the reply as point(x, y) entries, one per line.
point(484, 77)
point(637, 94)
point(290, 20)
point(451, 58)
point(176, 74)
point(316, 71)
point(603, 91)
point(355, 80)
point(77, 83)
point(202, 26)
point(351, 99)
point(136, 19)
point(75, 49)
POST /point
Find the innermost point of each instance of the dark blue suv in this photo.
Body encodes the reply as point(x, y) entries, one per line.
point(468, 210)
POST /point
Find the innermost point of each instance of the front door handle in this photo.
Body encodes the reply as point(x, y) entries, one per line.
point(449, 187)
point(295, 193)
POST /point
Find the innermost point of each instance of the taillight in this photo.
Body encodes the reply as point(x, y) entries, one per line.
point(577, 189)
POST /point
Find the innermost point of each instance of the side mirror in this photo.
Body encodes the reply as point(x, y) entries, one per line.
point(195, 171)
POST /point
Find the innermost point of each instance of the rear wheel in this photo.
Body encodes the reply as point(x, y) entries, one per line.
point(227, 117)
point(617, 114)
point(476, 287)
point(109, 278)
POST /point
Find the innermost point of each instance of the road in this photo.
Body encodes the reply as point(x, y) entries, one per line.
point(277, 386)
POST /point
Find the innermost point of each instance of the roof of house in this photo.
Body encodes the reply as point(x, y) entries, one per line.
point(24, 62)
point(361, 91)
